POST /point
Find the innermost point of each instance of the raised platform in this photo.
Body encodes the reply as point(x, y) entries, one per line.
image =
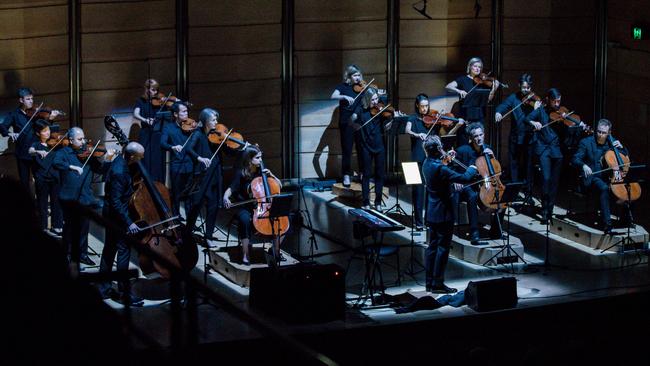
point(353, 192)
point(227, 261)
point(596, 239)
point(492, 254)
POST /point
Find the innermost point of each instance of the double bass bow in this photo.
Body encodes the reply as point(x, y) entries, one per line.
point(160, 230)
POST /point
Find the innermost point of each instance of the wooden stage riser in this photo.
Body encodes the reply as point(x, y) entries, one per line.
point(595, 239)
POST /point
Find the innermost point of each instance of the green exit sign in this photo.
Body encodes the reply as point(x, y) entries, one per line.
point(640, 31)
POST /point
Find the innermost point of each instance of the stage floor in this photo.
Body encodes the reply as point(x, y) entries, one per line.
point(572, 273)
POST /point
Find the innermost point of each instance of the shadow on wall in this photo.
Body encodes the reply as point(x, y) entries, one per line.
point(330, 140)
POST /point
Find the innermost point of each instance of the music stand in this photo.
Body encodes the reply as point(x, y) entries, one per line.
point(508, 196)
point(397, 128)
point(633, 175)
point(281, 207)
point(412, 177)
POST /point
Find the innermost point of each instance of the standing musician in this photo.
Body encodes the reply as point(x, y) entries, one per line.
point(175, 140)
point(465, 84)
point(240, 190)
point(151, 130)
point(589, 159)
point(370, 144)
point(203, 149)
point(17, 121)
point(118, 190)
point(76, 177)
point(467, 155)
point(547, 148)
point(417, 130)
point(46, 183)
point(520, 104)
point(345, 94)
point(440, 217)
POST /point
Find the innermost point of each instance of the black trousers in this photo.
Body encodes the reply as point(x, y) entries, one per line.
point(179, 182)
point(24, 173)
point(551, 168)
point(347, 140)
point(601, 190)
point(154, 155)
point(437, 253)
point(521, 167)
point(367, 159)
point(471, 197)
point(47, 196)
point(417, 198)
point(211, 201)
point(75, 233)
point(244, 219)
point(113, 244)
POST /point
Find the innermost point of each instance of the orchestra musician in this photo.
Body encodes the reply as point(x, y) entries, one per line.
point(463, 86)
point(151, 130)
point(239, 190)
point(76, 178)
point(589, 159)
point(467, 154)
point(203, 149)
point(369, 129)
point(416, 128)
point(519, 140)
point(46, 182)
point(118, 190)
point(181, 166)
point(17, 120)
point(345, 94)
point(438, 180)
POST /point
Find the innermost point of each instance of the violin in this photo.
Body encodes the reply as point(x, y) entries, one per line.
point(570, 119)
point(218, 134)
point(531, 99)
point(162, 100)
point(492, 188)
point(262, 188)
point(189, 125)
point(57, 139)
point(386, 112)
point(358, 88)
point(42, 113)
point(150, 206)
point(620, 162)
point(89, 148)
point(484, 79)
point(445, 119)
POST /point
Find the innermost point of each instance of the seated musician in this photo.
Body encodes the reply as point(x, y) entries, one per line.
point(118, 190)
point(370, 145)
point(46, 182)
point(589, 159)
point(181, 167)
point(76, 177)
point(203, 149)
point(467, 155)
point(440, 217)
point(465, 84)
point(240, 190)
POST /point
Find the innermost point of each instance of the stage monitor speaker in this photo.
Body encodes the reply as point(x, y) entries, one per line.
point(496, 294)
point(301, 293)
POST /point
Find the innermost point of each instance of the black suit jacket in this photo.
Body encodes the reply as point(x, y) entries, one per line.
point(589, 154)
point(438, 179)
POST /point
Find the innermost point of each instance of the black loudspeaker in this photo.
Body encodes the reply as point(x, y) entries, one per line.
point(301, 293)
point(500, 293)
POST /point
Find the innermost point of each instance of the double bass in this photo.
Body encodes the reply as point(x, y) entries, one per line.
point(620, 162)
point(262, 189)
point(150, 206)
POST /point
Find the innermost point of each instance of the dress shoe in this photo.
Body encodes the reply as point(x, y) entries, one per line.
point(246, 262)
point(56, 231)
point(442, 289)
point(346, 180)
point(133, 300)
point(87, 261)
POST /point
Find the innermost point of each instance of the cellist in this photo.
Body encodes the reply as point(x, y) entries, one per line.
point(240, 190)
point(589, 159)
point(118, 190)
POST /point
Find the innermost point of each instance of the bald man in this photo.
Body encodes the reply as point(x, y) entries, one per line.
point(118, 190)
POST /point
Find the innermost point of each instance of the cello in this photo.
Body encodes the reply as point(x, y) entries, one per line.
point(150, 206)
point(620, 162)
point(491, 190)
point(262, 189)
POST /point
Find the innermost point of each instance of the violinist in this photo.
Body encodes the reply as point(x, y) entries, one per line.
point(466, 84)
point(150, 130)
point(589, 159)
point(440, 217)
point(76, 176)
point(519, 105)
point(369, 126)
point(547, 149)
point(417, 130)
point(467, 155)
point(181, 166)
point(239, 190)
point(203, 149)
point(46, 183)
point(118, 190)
point(17, 121)
point(345, 94)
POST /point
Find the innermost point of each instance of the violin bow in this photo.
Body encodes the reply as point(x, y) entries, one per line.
point(91, 154)
point(30, 120)
point(362, 90)
point(186, 141)
point(434, 124)
point(527, 98)
point(483, 180)
point(164, 102)
point(220, 145)
point(474, 87)
point(559, 119)
point(373, 117)
point(57, 144)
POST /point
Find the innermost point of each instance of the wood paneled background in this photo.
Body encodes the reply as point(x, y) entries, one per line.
point(235, 60)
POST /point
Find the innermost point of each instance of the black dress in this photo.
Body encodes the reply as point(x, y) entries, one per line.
point(149, 138)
